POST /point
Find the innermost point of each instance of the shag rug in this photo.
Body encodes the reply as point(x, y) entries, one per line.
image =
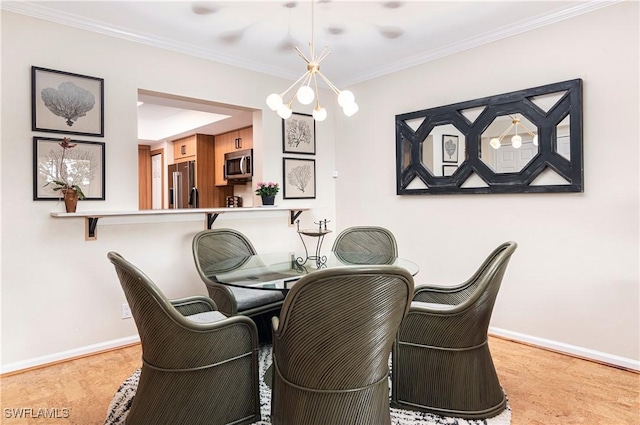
point(123, 398)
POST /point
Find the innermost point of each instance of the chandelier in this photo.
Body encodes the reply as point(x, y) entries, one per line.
point(307, 94)
point(516, 139)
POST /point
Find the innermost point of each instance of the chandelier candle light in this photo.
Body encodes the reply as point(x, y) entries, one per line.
point(516, 140)
point(305, 94)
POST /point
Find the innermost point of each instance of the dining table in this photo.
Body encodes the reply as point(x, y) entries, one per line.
point(280, 270)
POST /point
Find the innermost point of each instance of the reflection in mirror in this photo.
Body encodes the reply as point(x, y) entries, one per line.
point(563, 146)
point(547, 101)
point(443, 150)
point(406, 153)
point(526, 141)
point(509, 143)
point(414, 124)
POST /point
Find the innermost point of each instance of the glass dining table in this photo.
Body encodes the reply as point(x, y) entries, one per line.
point(280, 271)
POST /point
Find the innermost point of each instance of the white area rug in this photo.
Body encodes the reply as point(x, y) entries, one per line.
point(123, 398)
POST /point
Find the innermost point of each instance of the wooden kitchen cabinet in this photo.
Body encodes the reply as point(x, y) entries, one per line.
point(201, 149)
point(244, 139)
point(236, 140)
point(185, 149)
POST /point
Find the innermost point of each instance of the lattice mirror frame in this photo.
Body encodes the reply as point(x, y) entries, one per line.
point(554, 110)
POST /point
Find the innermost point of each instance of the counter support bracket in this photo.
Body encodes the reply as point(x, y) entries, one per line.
point(92, 224)
point(294, 215)
point(211, 217)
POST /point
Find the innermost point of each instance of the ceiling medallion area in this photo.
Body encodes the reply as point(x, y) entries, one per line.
point(305, 89)
point(306, 93)
point(529, 141)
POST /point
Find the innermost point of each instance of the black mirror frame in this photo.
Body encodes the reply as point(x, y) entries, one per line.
point(508, 103)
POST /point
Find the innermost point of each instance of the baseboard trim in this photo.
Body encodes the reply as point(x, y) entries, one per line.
point(64, 356)
point(560, 347)
point(572, 350)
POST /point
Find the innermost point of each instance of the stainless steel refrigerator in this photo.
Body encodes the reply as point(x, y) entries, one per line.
point(183, 192)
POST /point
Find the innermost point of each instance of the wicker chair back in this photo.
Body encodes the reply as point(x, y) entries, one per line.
point(192, 373)
point(441, 358)
point(366, 239)
point(223, 250)
point(332, 343)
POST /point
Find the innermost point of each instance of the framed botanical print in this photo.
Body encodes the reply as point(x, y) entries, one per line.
point(449, 148)
point(299, 134)
point(299, 177)
point(62, 102)
point(58, 162)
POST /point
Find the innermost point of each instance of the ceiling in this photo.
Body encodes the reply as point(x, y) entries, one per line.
point(367, 38)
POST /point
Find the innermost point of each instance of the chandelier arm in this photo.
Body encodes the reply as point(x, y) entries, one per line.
point(307, 80)
point(323, 54)
point(290, 102)
point(329, 83)
point(315, 82)
point(527, 130)
point(294, 84)
point(505, 132)
point(302, 55)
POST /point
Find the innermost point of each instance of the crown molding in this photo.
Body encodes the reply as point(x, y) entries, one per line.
point(486, 38)
point(42, 12)
point(48, 14)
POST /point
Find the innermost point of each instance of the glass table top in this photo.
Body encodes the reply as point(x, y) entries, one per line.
point(279, 271)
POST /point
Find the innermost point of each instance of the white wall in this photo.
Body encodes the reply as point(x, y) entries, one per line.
point(60, 293)
point(573, 282)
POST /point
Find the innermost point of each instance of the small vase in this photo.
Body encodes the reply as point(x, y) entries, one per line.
point(268, 199)
point(70, 199)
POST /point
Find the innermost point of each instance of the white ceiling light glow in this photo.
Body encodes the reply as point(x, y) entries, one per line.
point(516, 139)
point(306, 93)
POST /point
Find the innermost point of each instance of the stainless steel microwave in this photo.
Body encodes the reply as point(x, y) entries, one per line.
point(238, 166)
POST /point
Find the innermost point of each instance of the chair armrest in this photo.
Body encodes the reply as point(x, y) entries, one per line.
point(450, 295)
point(448, 326)
point(195, 345)
point(193, 305)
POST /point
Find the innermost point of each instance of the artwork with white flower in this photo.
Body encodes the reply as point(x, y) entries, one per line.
point(65, 163)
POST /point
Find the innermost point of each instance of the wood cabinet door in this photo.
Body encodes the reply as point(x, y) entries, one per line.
point(184, 149)
point(244, 139)
point(223, 143)
point(205, 171)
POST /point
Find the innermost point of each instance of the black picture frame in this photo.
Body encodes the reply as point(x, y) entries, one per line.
point(299, 134)
point(448, 170)
point(87, 94)
point(86, 160)
point(299, 178)
point(450, 145)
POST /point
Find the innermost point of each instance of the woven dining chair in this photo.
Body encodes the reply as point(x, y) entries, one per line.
point(223, 250)
point(199, 367)
point(366, 239)
point(331, 346)
point(441, 358)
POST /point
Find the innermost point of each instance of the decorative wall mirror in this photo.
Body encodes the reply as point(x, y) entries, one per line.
point(528, 141)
